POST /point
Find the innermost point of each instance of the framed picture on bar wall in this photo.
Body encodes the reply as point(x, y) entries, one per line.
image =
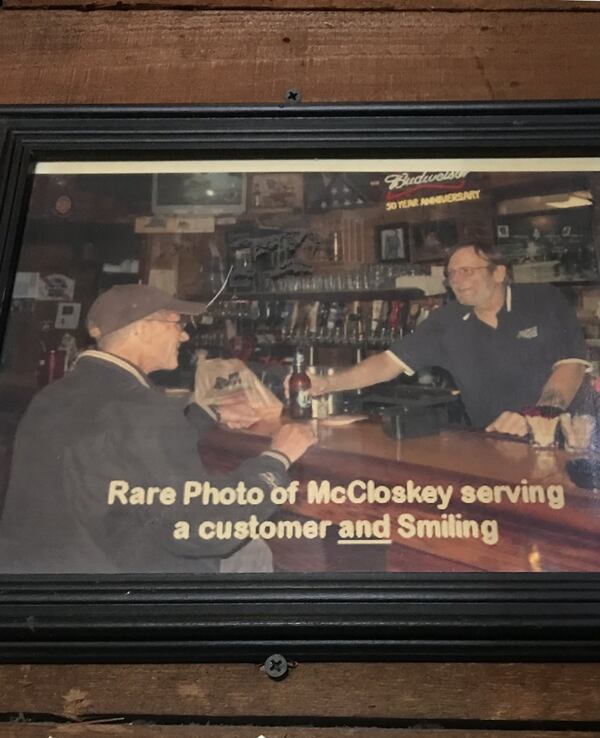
point(392, 242)
point(433, 240)
point(161, 493)
point(277, 192)
point(554, 245)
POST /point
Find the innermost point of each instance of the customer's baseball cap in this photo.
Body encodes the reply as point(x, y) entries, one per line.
point(124, 304)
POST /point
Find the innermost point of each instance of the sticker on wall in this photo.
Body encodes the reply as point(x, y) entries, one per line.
point(56, 287)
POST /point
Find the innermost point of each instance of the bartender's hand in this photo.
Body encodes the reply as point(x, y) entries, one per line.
point(236, 412)
point(318, 385)
point(510, 423)
point(293, 439)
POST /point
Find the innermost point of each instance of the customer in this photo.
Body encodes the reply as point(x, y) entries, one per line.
point(106, 421)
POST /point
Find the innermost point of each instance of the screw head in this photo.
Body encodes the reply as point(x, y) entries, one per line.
point(292, 96)
point(276, 666)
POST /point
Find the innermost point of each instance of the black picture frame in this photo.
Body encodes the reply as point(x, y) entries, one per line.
point(424, 617)
point(392, 241)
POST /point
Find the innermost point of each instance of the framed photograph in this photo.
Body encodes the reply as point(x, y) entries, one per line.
point(277, 191)
point(392, 242)
point(551, 246)
point(433, 241)
point(157, 505)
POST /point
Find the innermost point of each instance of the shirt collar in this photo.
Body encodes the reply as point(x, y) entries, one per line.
point(116, 361)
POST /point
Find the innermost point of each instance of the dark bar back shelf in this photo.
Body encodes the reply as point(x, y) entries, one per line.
point(397, 293)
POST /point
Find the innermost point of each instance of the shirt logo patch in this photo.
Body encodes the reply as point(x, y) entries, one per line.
point(528, 332)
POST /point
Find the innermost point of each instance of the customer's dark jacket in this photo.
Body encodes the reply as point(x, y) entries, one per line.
point(102, 422)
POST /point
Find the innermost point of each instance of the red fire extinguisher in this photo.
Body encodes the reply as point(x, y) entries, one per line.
point(51, 366)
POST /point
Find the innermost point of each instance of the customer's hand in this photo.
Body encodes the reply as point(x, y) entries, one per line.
point(510, 423)
point(293, 439)
point(236, 412)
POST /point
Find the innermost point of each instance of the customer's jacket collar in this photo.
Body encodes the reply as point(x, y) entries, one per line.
point(117, 361)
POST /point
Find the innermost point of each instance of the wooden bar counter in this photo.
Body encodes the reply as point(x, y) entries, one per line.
point(548, 525)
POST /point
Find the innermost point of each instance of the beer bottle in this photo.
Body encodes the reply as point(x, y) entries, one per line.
point(300, 405)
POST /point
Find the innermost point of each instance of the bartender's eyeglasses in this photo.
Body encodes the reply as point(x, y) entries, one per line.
point(452, 274)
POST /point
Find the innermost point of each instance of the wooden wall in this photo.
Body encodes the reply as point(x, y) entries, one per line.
point(253, 51)
point(315, 701)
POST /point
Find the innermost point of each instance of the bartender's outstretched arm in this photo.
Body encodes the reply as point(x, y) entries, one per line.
point(378, 368)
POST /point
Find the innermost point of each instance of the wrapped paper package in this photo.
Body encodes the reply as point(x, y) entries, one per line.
point(219, 380)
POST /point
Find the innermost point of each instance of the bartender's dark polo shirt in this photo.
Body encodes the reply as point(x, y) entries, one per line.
point(503, 368)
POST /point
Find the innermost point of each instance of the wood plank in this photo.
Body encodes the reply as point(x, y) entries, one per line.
point(410, 691)
point(254, 57)
point(119, 729)
point(524, 6)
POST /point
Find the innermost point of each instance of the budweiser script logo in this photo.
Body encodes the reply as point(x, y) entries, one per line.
point(408, 179)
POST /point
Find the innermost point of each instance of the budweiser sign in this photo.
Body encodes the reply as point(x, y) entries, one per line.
point(404, 183)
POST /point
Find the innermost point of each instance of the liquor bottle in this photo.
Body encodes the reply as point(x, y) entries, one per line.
point(394, 317)
point(412, 319)
point(352, 322)
point(377, 309)
point(313, 319)
point(332, 318)
point(300, 405)
point(322, 320)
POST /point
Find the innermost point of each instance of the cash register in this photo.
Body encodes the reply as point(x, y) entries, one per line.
point(409, 411)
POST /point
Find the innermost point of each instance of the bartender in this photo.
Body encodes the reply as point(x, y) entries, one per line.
point(506, 346)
